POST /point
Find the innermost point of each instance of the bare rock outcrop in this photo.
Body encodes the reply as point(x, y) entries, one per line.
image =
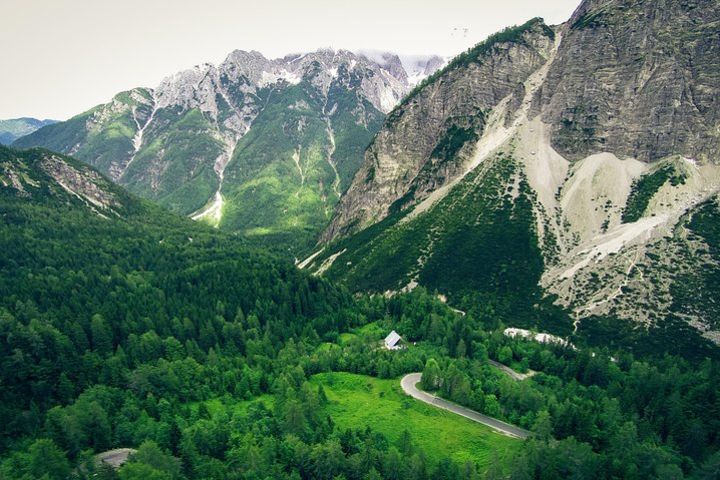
point(417, 150)
point(639, 79)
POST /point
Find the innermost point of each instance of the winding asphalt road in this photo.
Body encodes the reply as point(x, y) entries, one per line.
point(409, 382)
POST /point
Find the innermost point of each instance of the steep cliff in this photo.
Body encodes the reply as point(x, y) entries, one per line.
point(637, 78)
point(427, 141)
point(607, 131)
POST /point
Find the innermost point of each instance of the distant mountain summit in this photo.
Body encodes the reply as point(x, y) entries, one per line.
point(412, 69)
point(265, 147)
point(12, 129)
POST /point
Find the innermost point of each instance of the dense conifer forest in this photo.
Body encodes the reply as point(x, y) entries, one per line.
point(121, 332)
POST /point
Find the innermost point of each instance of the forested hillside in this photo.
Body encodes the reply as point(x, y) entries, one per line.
point(123, 326)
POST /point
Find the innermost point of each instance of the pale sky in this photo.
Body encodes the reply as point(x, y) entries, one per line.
point(59, 58)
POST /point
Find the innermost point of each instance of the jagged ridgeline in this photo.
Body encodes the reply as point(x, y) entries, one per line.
point(262, 147)
point(474, 238)
point(600, 223)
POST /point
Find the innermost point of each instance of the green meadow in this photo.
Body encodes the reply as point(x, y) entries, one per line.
point(359, 401)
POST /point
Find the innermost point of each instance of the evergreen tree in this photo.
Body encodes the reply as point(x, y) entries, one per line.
point(431, 378)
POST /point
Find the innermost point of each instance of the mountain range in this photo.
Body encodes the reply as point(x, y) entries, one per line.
point(263, 147)
point(558, 176)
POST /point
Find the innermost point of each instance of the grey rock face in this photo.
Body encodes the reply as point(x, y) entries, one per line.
point(86, 184)
point(408, 158)
point(637, 78)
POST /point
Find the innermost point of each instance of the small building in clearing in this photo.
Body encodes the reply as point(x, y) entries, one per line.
point(394, 341)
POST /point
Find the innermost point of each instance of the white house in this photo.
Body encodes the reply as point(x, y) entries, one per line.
point(394, 341)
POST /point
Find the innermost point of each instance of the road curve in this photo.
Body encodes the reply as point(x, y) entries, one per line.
point(409, 382)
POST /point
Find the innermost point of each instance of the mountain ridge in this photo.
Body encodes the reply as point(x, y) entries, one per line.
point(13, 128)
point(173, 144)
point(603, 206)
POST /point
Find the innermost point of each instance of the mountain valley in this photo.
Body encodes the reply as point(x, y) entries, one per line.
point(364, 265)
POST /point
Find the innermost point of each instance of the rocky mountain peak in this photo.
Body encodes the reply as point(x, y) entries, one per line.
point(393, 64)
point(241, 63)
point(428, 140)
point(409, 69)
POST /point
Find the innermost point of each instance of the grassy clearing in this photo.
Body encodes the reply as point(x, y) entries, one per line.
point(360, 401)
point(357, 401)
point(346, 338)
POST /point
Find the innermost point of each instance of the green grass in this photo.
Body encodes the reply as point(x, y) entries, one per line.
point(346, 338)
point(358, 401)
